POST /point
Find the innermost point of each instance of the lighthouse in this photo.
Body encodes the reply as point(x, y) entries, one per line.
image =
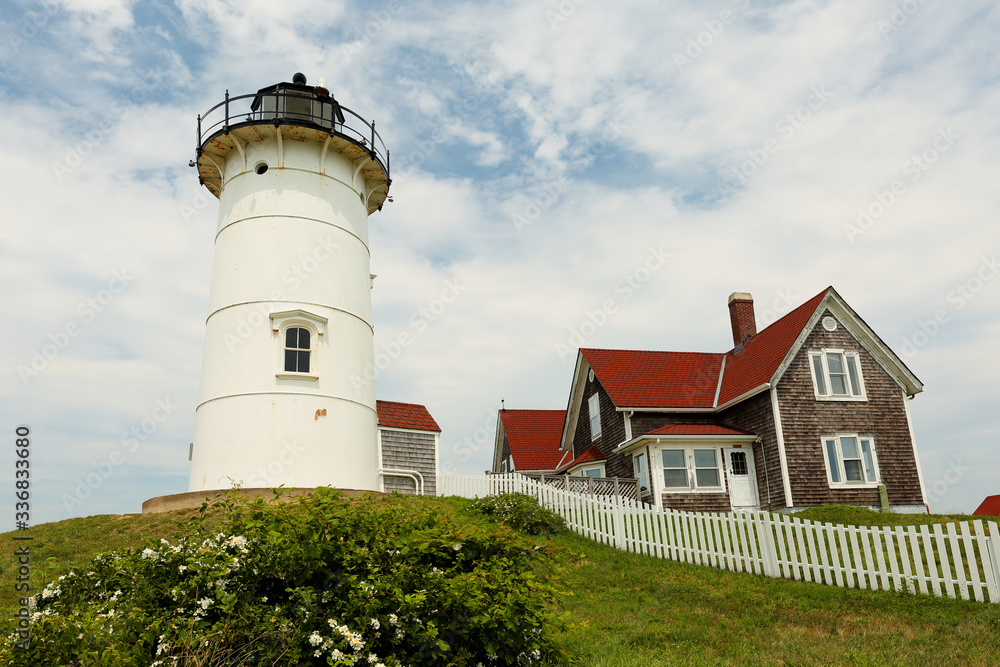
point(285, 397)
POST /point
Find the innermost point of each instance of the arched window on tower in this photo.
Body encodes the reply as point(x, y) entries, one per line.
point(297, 350)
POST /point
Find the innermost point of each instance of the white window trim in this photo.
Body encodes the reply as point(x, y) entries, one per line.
point(582, 471)
point(821, 354)
point(315, 324)
point(843, 483)
point(635, 467)
point(693, 487)
point(594, 410)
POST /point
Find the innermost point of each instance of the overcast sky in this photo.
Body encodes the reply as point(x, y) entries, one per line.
point(544, 154)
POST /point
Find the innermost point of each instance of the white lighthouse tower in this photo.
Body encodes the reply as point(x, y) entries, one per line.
point(284, 397)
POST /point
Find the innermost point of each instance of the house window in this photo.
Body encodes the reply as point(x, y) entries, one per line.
point(641, 473)
point(594, 407)
point(706, 468)
point(691, 469)
point(850, 460)
point(675, 473)
point(836, 374)
point(297, 350)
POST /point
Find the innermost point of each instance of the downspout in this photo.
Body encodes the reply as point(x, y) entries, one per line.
point(763, 455)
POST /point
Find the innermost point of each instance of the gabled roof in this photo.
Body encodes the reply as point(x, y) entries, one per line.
point(709, 382)
point(697, 429)
point(760, 358)
point(534, 437)
point(644, 379)
point(989, 507)
point(405, 415)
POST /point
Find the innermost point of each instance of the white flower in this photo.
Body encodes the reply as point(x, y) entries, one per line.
point(182, 568)
point(376, 624)
point(393, 619)
point(205, 602)
point(336, 654)
point(315, 639)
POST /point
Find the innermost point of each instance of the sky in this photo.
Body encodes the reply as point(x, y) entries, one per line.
point(544, 153)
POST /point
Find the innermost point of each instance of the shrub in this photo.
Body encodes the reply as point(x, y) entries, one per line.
point(322, 581)
point(520, 512)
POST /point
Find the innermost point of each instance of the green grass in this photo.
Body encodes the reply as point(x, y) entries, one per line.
point(859, 516)
point(634, 610)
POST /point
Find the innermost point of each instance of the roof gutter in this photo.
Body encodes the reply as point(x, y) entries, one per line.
point(683, 438)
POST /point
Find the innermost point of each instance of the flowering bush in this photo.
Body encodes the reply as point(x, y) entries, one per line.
point(323, 581)
point(520, 512)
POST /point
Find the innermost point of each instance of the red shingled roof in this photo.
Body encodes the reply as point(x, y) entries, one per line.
point(405, 415)
point(990, 507)
point(591, 455)
point(534, 437)
point(641, 379)
point(689, 380)
point(756, 363)
point(697, 429)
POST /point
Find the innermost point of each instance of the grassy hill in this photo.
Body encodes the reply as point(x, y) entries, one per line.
point(628, 609)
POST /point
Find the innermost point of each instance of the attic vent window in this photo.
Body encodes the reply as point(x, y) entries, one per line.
point(829, 323)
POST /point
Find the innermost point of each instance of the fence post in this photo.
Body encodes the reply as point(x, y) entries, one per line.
point(994, 549)
point(768, 553)
point(618, 519)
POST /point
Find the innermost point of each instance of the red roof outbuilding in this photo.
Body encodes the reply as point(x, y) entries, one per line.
point(989, 507)
point(405, 415)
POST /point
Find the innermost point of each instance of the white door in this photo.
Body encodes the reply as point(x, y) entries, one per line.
point(742, 480)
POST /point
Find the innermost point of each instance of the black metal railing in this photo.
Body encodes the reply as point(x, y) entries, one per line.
point(292, 107)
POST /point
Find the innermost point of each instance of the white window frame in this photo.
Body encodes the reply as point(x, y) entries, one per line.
point(642, 474)
point(587, 470)
point(290, 319)
point(824, 383)
point(594, 416)
point(691, 469)
point(837, 477)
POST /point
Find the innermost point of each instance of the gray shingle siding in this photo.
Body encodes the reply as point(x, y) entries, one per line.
point(409, 450)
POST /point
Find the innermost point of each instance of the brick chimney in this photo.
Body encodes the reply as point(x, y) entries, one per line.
point(742, 319)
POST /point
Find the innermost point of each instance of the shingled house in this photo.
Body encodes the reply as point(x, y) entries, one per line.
point(409, 448)
point(810, 411)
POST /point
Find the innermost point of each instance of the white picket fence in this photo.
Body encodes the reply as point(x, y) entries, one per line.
point(954, 560)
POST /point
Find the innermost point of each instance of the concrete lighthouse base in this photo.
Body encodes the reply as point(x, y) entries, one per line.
point(195, 499)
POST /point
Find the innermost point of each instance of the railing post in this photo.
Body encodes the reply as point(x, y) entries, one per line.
point(225, 125)
point(197, 149)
